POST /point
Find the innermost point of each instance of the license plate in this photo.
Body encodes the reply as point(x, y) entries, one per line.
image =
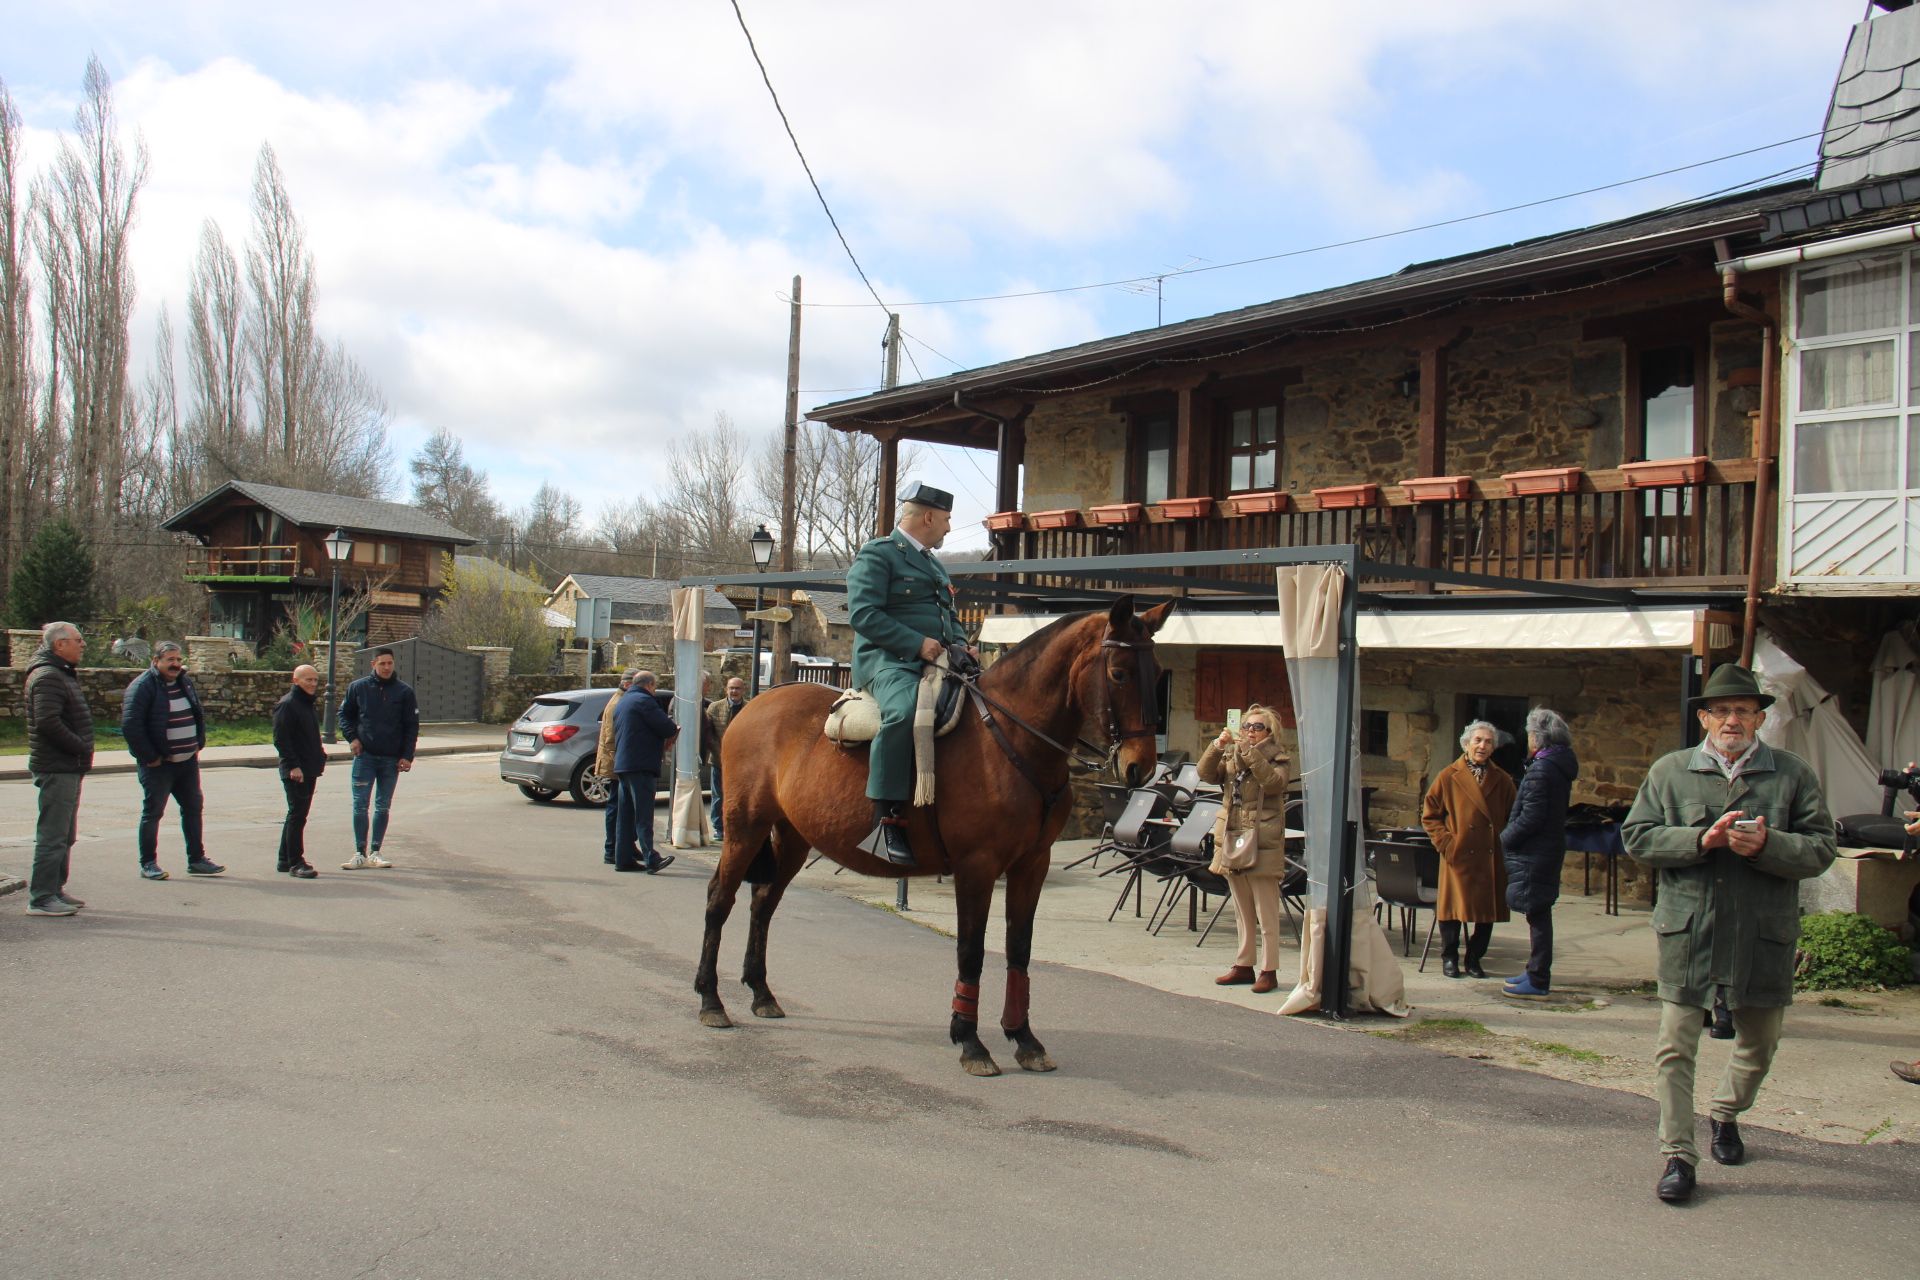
point(523, 740)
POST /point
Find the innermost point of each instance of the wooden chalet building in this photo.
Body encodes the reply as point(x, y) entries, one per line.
point(1715, 404)
point(263, 548)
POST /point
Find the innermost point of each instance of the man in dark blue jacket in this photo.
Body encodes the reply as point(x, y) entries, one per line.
point(380, 719)
point(642, 732)
point(161, 719)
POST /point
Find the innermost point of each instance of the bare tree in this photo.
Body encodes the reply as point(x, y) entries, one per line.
point(85, 207)
point(16, 340)
point(445, 485)
point(551, 521)
point(706, 490)
point(836, 490)
point(216, 361)
point(280, 273)
point(342, 444)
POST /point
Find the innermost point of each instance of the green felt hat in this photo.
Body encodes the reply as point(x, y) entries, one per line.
point(1730, 681)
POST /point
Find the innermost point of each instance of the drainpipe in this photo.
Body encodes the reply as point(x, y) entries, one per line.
point(1763, 444)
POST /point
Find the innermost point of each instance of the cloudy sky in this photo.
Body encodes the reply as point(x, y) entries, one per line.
point(565, 230)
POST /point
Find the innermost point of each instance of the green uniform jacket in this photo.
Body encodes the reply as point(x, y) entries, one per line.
point(897, 596)
point(1721, 919)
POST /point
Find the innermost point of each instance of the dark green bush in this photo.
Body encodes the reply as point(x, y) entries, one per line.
point(1844, 950)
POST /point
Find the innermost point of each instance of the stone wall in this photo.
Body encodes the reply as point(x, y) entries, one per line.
point(1076, 455)
point(225, 695)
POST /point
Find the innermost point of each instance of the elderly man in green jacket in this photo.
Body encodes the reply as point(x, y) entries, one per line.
point(1730, 828)
point(900, 602)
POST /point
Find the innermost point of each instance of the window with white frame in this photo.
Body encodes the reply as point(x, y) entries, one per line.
point(1852, 454)
point(1850, 328)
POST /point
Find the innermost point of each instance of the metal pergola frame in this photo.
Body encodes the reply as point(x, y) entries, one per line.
point(1164, 572)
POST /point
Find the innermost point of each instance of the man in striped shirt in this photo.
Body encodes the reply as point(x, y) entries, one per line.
point(161, 718)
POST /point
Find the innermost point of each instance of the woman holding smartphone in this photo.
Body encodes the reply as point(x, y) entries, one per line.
point(1252, 770)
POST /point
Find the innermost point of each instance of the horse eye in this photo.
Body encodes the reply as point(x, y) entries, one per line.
point(1117, 676)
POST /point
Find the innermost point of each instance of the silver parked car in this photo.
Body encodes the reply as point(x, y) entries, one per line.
point(550, 748)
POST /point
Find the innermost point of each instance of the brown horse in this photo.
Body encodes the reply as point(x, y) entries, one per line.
point(1002, 800)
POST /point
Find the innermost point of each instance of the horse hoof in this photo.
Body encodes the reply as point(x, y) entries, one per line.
point(1035, 1060)
point(768, 1008)
point(716, 1018)
point(980, 1066)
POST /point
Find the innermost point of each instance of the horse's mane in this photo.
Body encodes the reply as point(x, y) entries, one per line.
point(1016, 660)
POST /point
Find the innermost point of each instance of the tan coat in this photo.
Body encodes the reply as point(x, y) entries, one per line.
point(720, 714)
point(1465, 819)
point(603, 756)
point(1261, 804)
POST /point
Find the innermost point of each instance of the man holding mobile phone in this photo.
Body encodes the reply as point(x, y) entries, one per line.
point(1729, 827)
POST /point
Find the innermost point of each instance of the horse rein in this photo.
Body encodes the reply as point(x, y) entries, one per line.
point(1081, 753)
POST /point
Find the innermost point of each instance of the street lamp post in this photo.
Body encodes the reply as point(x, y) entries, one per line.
point(339, 547)
point(762, 544)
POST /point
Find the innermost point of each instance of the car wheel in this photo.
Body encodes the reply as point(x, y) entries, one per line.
point(588, 787)
point(542, 794)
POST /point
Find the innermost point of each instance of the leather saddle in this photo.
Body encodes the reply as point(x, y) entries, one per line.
point(854, 719)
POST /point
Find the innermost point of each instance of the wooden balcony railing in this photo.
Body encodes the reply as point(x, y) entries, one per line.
point(1692, 536)
point(233, 562)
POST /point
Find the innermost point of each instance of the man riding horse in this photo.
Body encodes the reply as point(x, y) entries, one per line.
point(900, 602)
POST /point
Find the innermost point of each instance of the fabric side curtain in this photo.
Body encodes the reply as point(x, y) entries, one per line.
point(1893, 721)
point(1310, 598)
point(689, 817)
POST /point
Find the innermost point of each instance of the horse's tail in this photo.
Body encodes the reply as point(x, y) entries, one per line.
point(761, 869)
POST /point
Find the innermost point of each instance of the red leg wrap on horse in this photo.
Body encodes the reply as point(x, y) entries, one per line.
point(1014, 1016)
point(966, 1000)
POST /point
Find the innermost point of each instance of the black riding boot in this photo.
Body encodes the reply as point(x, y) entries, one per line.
point(888, 839)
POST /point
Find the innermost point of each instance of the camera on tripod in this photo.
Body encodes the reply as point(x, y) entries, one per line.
point(1886, 829)
point(1892, 780)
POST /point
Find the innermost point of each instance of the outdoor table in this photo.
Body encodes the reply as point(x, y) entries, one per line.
point(1604, 839)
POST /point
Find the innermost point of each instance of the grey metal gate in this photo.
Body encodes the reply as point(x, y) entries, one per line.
point(450, 684)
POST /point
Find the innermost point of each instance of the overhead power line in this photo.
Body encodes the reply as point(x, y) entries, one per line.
point(1358, 240)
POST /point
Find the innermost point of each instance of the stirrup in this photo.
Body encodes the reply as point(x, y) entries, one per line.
point(876, 843)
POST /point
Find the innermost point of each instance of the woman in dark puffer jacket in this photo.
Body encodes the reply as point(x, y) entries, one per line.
point(1535, 842)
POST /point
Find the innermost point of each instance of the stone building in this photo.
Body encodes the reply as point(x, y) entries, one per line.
point(1699, 425)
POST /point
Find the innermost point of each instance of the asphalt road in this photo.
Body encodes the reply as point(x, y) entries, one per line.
point(486, 1062)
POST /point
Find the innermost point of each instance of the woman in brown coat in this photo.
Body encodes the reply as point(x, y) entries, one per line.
point(1465, 810)
point(1253, 772)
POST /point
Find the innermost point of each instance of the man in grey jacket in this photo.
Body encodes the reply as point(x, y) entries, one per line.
point(1730, 828)
point(59, 753)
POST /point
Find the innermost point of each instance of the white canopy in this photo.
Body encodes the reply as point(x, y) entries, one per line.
point(1450, 629)
point(1893, 723)
point(1804, 721)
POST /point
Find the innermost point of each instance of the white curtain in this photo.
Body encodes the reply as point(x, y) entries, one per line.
point(1310, 598)
point(1893, 723)
point(1804, 720)
point(689, 822)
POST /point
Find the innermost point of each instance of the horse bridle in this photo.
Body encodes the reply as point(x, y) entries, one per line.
point(1083, 754)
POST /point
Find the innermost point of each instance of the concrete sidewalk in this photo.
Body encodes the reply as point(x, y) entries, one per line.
point(1829, 1080)
point(110, 755)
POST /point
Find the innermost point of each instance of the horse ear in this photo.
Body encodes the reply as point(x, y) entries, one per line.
point(1120, 614)
point(1152, 619)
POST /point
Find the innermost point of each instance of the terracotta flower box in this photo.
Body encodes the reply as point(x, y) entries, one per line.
point(1185, 508)
point(1002, 521)
point(1437, 488)
point(1265, 502)
point(1063, 518)
point(1341, 496)
point(1119, 513)
point(1664, 472)
point(1523, 484)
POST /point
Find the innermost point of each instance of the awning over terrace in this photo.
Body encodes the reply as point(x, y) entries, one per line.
point(1540, 628)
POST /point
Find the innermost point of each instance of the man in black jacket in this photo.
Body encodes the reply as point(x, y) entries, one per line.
point(59, 753)
point(380, 719)
point(165, 729)
point(296, 738)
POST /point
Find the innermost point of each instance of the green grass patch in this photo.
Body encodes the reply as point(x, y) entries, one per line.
point(249, 731)
point(1644, 987)
point(1427, 1027)
point(1587, 1007)
point(1566, 1051)
point(1839, 1002)
point(1878, 1129)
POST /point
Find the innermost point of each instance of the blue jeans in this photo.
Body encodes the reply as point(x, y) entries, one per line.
point(613, 820)
point(159, 783)
point(373, 778)
point(716, 801)
point(633, 829)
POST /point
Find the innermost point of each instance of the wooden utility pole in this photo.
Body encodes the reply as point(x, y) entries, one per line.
point(783, 631)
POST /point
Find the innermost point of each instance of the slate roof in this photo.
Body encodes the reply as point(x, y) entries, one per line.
point(1636, 238)
point(328, 511)
point(1872, 120)
point(648, 599)
point(832, 606)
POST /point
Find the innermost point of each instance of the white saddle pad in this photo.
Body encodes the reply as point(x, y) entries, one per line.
point(855, 718)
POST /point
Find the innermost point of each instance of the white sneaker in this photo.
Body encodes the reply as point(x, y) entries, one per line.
point(354, 863)
point(375, 860)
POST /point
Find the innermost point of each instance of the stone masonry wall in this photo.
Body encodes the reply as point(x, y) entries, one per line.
point(225, 695)
point(1076, 453)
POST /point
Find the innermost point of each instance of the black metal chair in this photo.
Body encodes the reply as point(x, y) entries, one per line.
point(1113, 803)
point(1184, 868)
point(1398, 882)
point(1140, 835)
